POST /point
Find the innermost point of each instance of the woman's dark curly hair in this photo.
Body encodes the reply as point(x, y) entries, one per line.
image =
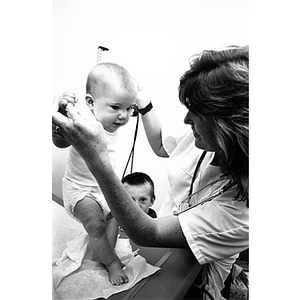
point(217, 86)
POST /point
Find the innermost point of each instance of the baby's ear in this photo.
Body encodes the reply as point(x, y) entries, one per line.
point(89, 100)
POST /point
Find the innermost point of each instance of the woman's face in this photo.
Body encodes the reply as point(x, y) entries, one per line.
point(202, 130)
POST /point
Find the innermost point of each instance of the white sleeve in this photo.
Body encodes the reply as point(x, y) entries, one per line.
point(214, 231)
point(169, 141)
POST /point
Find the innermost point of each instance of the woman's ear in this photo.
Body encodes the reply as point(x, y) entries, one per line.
point(89, 101)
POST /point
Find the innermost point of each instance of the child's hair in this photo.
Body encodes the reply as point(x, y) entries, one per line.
point(137, 179)
point(99, 71)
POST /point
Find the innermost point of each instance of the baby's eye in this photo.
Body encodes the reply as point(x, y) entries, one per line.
point(115, 107)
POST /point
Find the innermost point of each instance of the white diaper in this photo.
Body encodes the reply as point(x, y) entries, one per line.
point(74, 192)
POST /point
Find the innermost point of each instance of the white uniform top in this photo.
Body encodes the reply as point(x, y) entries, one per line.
point(215, 231)
point(77, 170)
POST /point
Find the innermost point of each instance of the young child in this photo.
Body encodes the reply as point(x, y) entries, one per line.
point(110, 95)
point(141, 188)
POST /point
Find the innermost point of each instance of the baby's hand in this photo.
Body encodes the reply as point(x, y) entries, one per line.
point(64, 99)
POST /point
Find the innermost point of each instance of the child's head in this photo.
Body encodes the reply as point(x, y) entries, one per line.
point(141, 189)
point(110, 94)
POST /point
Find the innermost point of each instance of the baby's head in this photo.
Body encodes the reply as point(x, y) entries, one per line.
point(141, 189)
point(110, 94)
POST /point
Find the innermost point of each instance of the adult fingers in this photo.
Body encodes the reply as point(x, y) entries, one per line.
point(58, 119)
point(85, 122)
point(83, 119)
point(87, 114)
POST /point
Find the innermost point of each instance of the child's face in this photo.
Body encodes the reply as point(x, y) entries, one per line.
point(114, 109)
point(141, 194)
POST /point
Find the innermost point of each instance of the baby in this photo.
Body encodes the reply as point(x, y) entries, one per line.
point(110, 95)
point(141, 188)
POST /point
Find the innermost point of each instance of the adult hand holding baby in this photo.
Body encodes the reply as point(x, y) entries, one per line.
point(62, 101)
point(79, 127)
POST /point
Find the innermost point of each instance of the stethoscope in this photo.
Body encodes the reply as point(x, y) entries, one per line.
point(185, 205)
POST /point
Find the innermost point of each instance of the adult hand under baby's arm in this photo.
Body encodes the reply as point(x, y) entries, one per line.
point(81, 129)
point(61, 102)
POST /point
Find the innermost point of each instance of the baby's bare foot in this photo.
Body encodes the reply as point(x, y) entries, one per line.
point(116, 274)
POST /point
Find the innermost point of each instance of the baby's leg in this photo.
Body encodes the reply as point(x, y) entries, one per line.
point(89, 212)
point(112, 229)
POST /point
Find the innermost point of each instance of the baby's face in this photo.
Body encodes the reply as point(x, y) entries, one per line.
point(141, 194)
point(114, 109)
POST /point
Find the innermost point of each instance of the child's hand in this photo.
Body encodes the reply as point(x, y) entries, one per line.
point(64, 99)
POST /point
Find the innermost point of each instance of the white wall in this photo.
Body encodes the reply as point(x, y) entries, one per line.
point(154, 41)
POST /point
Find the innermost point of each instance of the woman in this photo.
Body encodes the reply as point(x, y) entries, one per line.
point(211, 161)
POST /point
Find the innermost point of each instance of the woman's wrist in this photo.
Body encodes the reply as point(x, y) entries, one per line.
point(142, 105)
point(146, 109)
